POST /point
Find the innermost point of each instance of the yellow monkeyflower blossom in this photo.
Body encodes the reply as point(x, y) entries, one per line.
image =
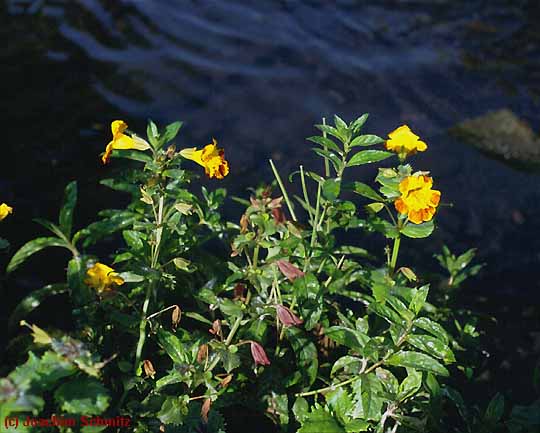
point(5, 210)
point(404, 142)
point(122, 141)
point(211, 158)
point(101, 277)
point(418, 201)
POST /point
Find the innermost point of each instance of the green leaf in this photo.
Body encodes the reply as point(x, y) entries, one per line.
point(346, 361)
point(133, 239)
point(134, 155)
point(366, 140)
point(419, 299)
point(332, 131)
point(331, 188)
point(152, 133)
point(368, 157)
point(173, 346)
point(174, 410)
point(410, 385)
point(326, 143)
point(432, 346)
point(350, 338)
point(229, 360)
point(340, 403)
point(84, 396)
point(495, 409)
point(423, 230)
point(365, 191)
point(121, 186)
point(30, 248)
point(300, 409)
point(320, 421)
point(358, 123)
point(417, 360)
point(432, 327)
point(33, 300)
point(171, 132)
point(65, 219)
point(230, 308)
point(368, 403)
point(130, 277)
point(357, 425)
point(336, 162)
point(198, 317)
point(306, 354)
point(182, 264)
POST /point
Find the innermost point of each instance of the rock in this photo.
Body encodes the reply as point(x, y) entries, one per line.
point(503, 135)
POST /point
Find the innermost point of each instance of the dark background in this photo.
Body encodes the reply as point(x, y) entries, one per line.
point(257, 75)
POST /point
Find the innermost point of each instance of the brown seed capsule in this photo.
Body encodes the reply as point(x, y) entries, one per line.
point(149, 368)
point(176, 316)
point(171, 151)
point(216, 328)
point(244, 221)
point(205, 409)
point(226, 380)
point(202, 354)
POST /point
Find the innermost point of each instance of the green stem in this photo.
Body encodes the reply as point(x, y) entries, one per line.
point(340, 384)
point(395, 252)
point(142, 326)
point(283, 191)
point(304, 190)
point(316, 220)
point(326, 162)
point(230, 337)
point(255, 256)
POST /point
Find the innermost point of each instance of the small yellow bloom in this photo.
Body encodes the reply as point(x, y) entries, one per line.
point(102, 278)
point(404, 142)
point(5, 210)
point(210, 157)
point(122, 141)
point(418, 201)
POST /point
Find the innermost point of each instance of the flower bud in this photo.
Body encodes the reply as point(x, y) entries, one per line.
point(287, 317)
point(258, 354)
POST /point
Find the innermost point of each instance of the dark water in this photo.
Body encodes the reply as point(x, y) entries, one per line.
point(257, 75)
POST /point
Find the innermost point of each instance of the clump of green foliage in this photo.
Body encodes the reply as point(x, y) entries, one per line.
point(274, 313)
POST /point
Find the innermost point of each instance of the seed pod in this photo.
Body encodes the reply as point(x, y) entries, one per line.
point(216, 328)
point(149, 368)
point(244, 221)
point(205, 409)
point(226, 380)
point(202, 354)
point(176, 316)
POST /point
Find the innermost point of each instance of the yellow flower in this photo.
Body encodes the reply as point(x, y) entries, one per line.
point(5, 210)
point(211, 158)
point(404, 142)
point(102, 278)
point(122, 141)
point(418, 201)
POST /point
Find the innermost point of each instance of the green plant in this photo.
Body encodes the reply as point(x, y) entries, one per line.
point(275, 313)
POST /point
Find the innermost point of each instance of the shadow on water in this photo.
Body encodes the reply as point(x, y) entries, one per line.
point(257, 76)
